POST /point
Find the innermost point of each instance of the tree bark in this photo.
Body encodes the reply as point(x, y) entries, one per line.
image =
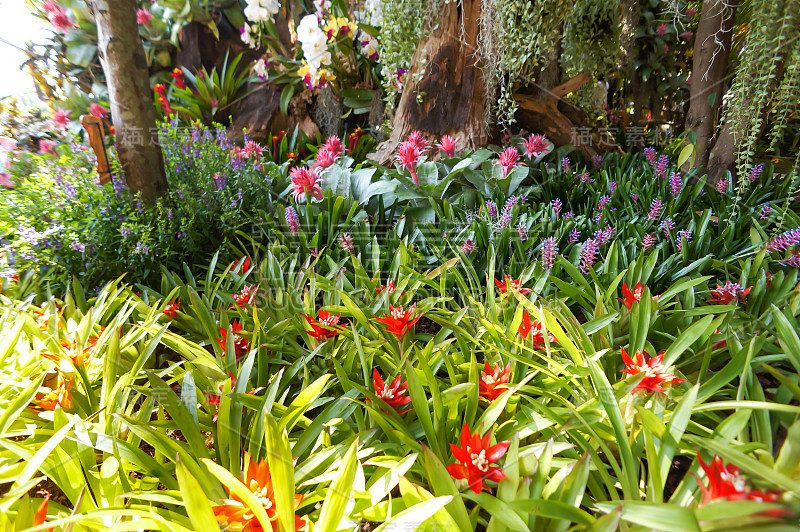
point(131, 100)
point(712, 48)
point(450, 85)
point(541, 113)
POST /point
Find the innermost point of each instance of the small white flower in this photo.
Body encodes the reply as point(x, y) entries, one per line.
point(260, 68)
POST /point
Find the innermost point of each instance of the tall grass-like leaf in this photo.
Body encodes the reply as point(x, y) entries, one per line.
point(611, 404)
point(658, 516)
point(19, 403)
point(197, 505)
point(279, 458)
point(411, 518)
point(442, 484)
point(333, 508)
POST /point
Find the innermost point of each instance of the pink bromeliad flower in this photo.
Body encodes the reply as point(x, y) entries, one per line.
point(418, 139)
point(535, 145)
point(408, 156)
point(325, 159)
point(447, 146)
point(508, 160)
point(61, 118)
point(57, 16)
point(97, 110)
point(143, 17)
point(334, 145)
point(305, 182)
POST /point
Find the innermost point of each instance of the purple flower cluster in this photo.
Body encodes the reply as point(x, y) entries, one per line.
point(549, 252)
point(648, 241)
point(765, 212)
point(793, 261)
point(565, 164)
point(346, 242)
point(784, 241)
point(574, 235)
point(557, 205)
point(522, 231)
point(656, 206)
point(491, 209)
point(668, 225)
point(722, 186)
point(588, 255)
point(597, 160)
point(661, 166)
point(506, 214)
point(142, 248)
point(650, 155)
point(603, 202)
point(293, 220)
point(568, 215)
point(755, 173)
point(612, 186)
point(604, 236)
point(634, 197)
point(683, 234)
point(675, 184)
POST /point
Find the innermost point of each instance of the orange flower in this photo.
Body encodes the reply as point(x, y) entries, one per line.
point(653, 368)
point(475, 458)
point(631, 297)
point(59, 397)
point(72, 352)
point(40, 517)
point(324, 327)
point(235, 515)
point(393, 394)
point(491, 378)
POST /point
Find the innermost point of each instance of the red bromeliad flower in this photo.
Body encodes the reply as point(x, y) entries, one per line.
point(305, 182)
point(631, 297)
point(534, 329)
point(393, 394)
point(729, 293)
point(503, 285)
point(40, 516)
point(397, 321)
point(172, 309)
point(389, 287)
point(418, 140)
point(447, 146)
point(334, 145)
point(655, 379)
point(253, 150)
point(535, 145)
point(177, 75)
point(325, 326)
point(491, 378)
point(245, 296)
point(72, 352)
point(325, 159)
point(234, 514)
point(726, 482)
point(245, 265)
point(475, 457)
point(58, 397)
point(214, 399)
point(240, 345)
point(409, 155)
point(508, 160)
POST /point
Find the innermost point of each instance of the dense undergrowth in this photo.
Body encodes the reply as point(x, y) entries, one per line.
point(622, 337)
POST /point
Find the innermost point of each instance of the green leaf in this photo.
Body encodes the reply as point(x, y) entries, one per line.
point(686, 152)
point(412, 518)
point(197, 506)
point(281, 468)
point(243, 492)
point(442, 484)
point(335, 504)
point(658, 516)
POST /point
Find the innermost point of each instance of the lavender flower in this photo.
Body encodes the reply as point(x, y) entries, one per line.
point(588, 255)
point(792, 262)
point(491, 208)
point(549, 252)
point(612, 186)
point(584, 178)
point(77, 246)
point(142, 248)
point(522, 231)
point(568, 215)
point(784, 241)
point(765, 212)
point(125, 231)
point(603, 202)
point(557, 205)
point(293, 220)
point(506, 213)
point(220, 181)
point(656, 206)
point(574, 235)
point(634, 197)
point(675, 184)
point(565, 164)
point(650, 155)
point(668, 225)
point(661, 166)
point(597, 160)
point(683, 234)
point(755, 173)
point(648, 241)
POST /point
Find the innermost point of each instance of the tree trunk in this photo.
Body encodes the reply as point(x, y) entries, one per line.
point(132, 112)
point(450, 85)
point(541, 113)
point(712, 48)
